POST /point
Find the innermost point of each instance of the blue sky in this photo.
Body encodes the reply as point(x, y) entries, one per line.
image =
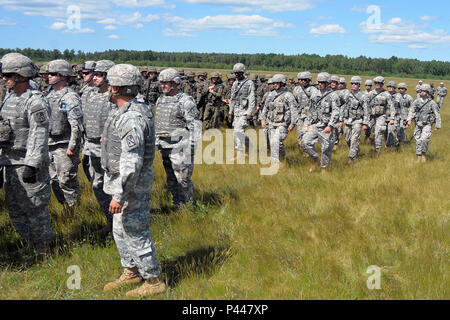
point(407, 29)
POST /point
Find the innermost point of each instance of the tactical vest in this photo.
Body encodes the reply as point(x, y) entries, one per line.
point(15, 112)
point(277, 108)
point(242, 90)
point(169, 114)
point(378, 104)
point(321, 108)
point(424, 112)
point(59, 124)
point(354, 107)
point(111, 142)
point(95, 113)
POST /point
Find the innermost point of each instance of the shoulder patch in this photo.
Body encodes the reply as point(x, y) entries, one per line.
point(39, 114)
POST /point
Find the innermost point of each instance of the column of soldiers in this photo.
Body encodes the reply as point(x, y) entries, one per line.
point(120, 115)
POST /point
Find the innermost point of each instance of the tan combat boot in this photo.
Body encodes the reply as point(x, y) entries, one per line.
point(128, 276)
point(423, 159)
point(419, 158)
point(149, 287)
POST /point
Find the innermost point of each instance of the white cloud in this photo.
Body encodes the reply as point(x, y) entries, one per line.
point(110, 27)
point(143, 3)
point(126, 19)
point(113, 36)
point(138, 26)
point(58, 26)
point(428, 18)
point(173, 33)
point(327, 29)
point(265, 5)
point(7, 22)
point(79, 31)
point(417, 46)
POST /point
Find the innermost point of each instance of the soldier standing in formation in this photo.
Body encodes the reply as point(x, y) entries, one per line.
point(213, 116)
point(151, 86)
point(355, 115)
point(226, 97)
point(128, 151)
point(24, 144)
point(441, 93)
point(201, 92)
point(178, 129)
point(393, 129)
point(405, 104)
point(189, 86)
point(96, 107)
point(65, 135)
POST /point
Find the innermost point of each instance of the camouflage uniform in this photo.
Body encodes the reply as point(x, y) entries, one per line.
point(152, 88)
point(177, 128)
point(382, 111)
point(278, 114)
point(424, 112)
point(441, 93)
point(394, 129)
point(213, 115)
point(201, 93)
point(24, 145)
point(2, 90)
point(226, 95)
point(190, 85)
point(242, 106)
point(354, 113)
point(405, 103)
point(323, 112)
point(267, 98)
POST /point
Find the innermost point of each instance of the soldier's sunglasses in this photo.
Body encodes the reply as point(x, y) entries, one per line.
point(86, 72)
point(53, 74)
point(8, 75)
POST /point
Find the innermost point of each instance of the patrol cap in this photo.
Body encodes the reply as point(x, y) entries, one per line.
point(238, 67)
point(170, 75)
point(392, 84)
point(88, 65)
point(402, 85)
point(356, 79)
point(378, 79)
point(18, 63)
point(122, 75)
point(61, 67)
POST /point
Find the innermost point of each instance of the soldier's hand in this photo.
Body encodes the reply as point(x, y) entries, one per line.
point(263, 124)
point(365, 127)
point(29, 175)
point(340, 124)
point(391, 122)
point(327, 129)
point(230, 118)
point(70, 153)
point(248, 117)
point(290, 128)
point(409, 123)
point(115, 207)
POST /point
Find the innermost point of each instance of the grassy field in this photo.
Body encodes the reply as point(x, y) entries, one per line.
point(293, 235)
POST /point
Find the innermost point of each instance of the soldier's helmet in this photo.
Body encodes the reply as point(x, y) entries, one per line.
point(379, 79)
point(426, 87)
point(88, 65)
point(43, 69)
point(255, 77)
point(238, 67)
point(203, 73)
point(441, 83)
point(270, 81)
point(335, 78)
point(169, 75)
point(402, 85)
point(231, 76)
point(18, 63)
point(420, 81)
point(190, 74)
point(356, 79)
point(323, 77)
point(61, 67)
point(279, 78)
point(152, 70)
point(392, 84)
point(124, 75)
point(262, 77)
point(368, 82)
point(215, 75)
point(103, 66)
point(304, 75)
point(342, 80)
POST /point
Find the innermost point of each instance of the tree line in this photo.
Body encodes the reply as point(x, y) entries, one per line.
point(335, 64)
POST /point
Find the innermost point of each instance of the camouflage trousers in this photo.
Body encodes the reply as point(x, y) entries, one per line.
point(371, 130)
point(401, 130)
point(94, 172)
point(352, 135)
point(422, 134)
point(380, 128)
point(392, 132)
point(27, 204)
point(277, 135)
point(440, 101)
point(213, 116)
point(239, 125)
point(64, 175)
point(315, 134)
point(179, 168)
point(131, 231)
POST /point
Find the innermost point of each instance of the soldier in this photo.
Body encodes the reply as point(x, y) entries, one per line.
point(213, 111)
point(368, 84)
point(144, 71)
point(202, 92)
point(178, 128)
point(96, 108)
point(382, 111)
point(152, 88)
point(45, 87)
point(242, 105)
point(226, 96)
point(24, 153)
point(393, 130)
point(441, 93)
point(355, 114)
point(278, 115)
point(128, 151)
point(406, 103)
point(260, 92)
point(87, 70)
point(322, 118)
point(291, 85)
point(334, 85)
point(303, 94)
point(65, 135)
point(265, 101)
point(424, 111)
point(418, 89)
point(189, 86)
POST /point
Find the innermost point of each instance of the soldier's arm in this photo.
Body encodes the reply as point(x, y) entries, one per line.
point(366, 110)
point(75, 118)
point(292, 110)
point(191, 115)
point(437, 115)
point(232, 99)
point(131, 129)
point(391, 107)
point(412, 111)
point(38, 112)
point(251, 99)
point(334, 119)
